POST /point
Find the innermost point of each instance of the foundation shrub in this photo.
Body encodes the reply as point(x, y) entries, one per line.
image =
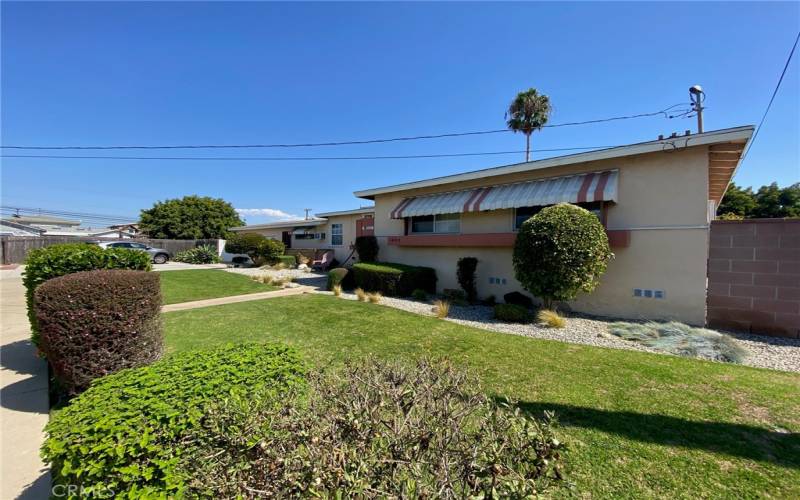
point(394, 279)
point(518, 299)
point(130, 430)
point(512, 313)
point(336, 277)
point(95, 323)
point(457, 297)
point(559, 252)
point(419, 294)
point(53, 261)
point(465, 272)
point(367, 248)
point(203, 254)
point(376, 430)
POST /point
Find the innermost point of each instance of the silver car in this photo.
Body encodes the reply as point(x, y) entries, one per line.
point(159, 255)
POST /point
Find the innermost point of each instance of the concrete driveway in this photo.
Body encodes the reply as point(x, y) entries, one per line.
point(24, 406)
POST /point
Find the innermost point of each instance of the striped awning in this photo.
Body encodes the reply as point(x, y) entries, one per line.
point(581, 188)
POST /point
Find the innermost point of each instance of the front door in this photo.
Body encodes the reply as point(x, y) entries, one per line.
point(287, 239)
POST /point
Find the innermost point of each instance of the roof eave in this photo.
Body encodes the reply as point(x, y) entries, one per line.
point(713, 137)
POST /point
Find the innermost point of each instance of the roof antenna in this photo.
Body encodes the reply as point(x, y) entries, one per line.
point(697, 96)
point(307, 210)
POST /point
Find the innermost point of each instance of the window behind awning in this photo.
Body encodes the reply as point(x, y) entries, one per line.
point(581, 188)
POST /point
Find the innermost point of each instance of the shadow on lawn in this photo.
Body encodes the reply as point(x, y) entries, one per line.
point(740, 440)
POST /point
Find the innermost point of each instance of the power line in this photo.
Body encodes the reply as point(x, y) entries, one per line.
point(665, 112)
point(32, 212)
point(774, 93)
point(300, 158)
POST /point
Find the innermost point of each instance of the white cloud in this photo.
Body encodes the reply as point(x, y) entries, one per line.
point(272, 213)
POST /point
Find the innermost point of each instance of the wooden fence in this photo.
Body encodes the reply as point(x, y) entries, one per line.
point(14, 249)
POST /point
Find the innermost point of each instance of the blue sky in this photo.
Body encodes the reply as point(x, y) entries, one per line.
point(202, 73)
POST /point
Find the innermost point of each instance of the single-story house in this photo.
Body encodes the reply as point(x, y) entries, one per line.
point(10, 227)
point(656, 200)
point(336, 231)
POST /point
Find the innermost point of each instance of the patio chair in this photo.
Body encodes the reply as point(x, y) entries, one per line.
point(322, 262)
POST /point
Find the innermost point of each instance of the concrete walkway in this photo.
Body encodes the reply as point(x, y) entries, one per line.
point(285, 292)
point(24, 402)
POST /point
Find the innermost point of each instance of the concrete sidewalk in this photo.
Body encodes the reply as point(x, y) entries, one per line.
point(284, 292)
point(24, 405)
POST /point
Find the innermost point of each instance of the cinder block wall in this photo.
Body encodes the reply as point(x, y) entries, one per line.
point(754, 276)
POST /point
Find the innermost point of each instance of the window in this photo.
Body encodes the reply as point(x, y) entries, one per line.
point(336, 235)
point(522, 214)
point(443, 223)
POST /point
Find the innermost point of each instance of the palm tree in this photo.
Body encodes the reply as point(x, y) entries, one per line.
point(529, 111)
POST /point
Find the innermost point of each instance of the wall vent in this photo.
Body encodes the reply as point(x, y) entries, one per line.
point(647, 293)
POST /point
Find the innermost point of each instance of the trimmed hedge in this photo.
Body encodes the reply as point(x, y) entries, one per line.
point(394, 279)
point(367, 248)
point(130, 430)
point(42, 264)
point(95, 323)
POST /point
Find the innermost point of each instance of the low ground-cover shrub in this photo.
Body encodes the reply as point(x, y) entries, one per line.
point(375, 430)
point(518, 299)
point(512, 313)
point(457, 297)
point(683, 340)
point(367, 248)
point(128, 432)
point(394, 279)
point(95, 323)
point(287, 260)
point(419, 294)
point(203, 254)
point(42, 264)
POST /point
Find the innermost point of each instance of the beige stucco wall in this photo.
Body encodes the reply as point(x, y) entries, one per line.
point(662, 199)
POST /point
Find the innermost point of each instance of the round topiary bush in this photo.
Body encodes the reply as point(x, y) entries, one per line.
point(336, 277)
point(559, 252)
point(130, 431)
point(95, 323)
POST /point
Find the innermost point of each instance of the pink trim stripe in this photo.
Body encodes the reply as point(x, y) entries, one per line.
point(398, 211)
point(599, 191)
point(477, 206)
point(587, 181)
point(471, 199)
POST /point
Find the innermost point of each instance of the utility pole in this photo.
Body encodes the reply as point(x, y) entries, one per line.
point(307, 210)
point(697, 96)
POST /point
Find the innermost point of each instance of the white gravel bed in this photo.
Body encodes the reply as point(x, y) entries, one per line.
point(764, 352)
point(302, 277)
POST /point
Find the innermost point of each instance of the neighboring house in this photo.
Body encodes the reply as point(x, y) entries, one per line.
point(336, 231)
point(89, 232)
point(656, 200)
point(127, 228)
point(45, 222)
point(10, 227)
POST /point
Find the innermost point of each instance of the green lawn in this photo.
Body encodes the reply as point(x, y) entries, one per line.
point(198, 284)
point(638, 424)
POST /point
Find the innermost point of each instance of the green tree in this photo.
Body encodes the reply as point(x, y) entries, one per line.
point(559, 252)
point(528, 111)
point(738, 201)
point(774, 202)
point(190, 218)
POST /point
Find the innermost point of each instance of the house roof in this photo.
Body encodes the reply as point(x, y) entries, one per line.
point(17, 229)
point(282, 224)
point(355, 211)
point(43, 220)
point(737, 134)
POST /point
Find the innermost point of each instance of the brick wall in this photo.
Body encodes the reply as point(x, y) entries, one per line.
point(754, 276)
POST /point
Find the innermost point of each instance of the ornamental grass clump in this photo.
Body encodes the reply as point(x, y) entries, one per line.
point(441, 308)
point(682, 340)
point(374, 297)
point(551, 319)
point(361, 295)
point(95, 323)
point(337, 290)
point(375, 430)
